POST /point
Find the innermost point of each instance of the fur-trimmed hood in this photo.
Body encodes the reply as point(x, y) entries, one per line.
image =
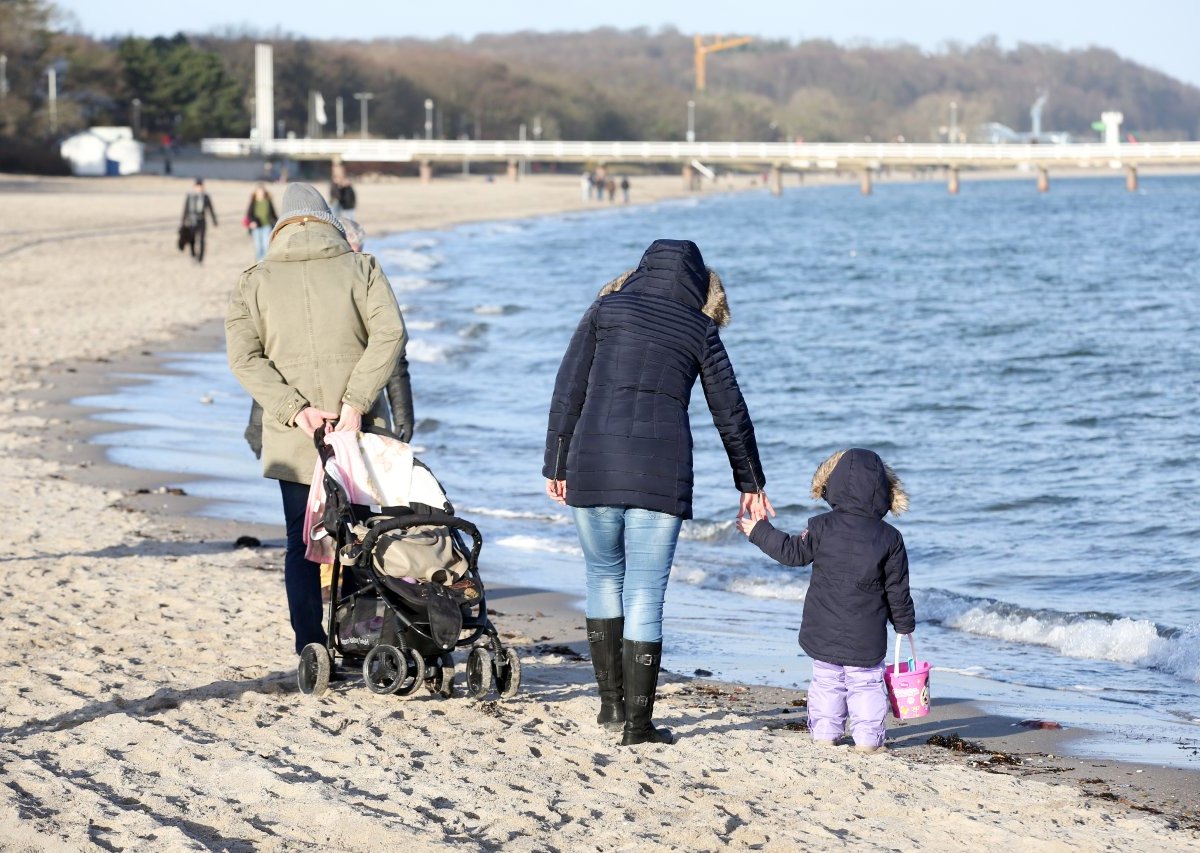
point(675, 268)
point(858, 481)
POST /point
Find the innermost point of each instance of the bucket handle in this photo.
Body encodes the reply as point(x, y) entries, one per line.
point(911, 644)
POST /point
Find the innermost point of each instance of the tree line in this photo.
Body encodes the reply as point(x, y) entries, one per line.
point(601, 84)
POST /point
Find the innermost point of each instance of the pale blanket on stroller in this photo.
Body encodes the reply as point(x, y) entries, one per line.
point(375, 471)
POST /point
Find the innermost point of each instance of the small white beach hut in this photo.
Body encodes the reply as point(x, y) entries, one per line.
point(101, 151)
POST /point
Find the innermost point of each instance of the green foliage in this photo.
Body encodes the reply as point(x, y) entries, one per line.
point(184, 91)
point(602, 84)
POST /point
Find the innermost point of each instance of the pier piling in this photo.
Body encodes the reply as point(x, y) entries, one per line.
point(864, 182)
point(1043, 179)
point(1131, 178)
point(952, 181)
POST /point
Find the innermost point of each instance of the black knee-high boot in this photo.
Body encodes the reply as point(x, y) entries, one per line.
point(641, 662)
point(604, 640)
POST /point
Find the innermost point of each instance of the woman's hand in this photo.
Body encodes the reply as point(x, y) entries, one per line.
point(349, 419)
point(310, 419)
point(557, 491)
point(756, 504)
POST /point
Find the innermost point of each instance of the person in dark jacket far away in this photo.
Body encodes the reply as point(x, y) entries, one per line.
point(859, 584)
point(195, 206)
point(619, 453)
point(342, 199)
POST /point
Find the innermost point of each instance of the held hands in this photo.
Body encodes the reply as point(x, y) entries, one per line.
point(310, 419)
point(757, 506)
point(556, 490)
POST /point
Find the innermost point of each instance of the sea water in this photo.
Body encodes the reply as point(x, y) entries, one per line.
point(1028, 363)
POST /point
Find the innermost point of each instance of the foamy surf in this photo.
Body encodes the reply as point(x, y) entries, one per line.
point(539, 544)
point(1139, 642)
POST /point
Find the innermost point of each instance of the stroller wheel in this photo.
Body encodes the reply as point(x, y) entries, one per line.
point(440, 678)
point(384, 669)
point(313, 672)
point(479, 672)
point(508, 674)
point(416, 669)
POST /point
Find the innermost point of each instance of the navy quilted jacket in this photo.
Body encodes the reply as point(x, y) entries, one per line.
point(859, 566)
point(618, 431)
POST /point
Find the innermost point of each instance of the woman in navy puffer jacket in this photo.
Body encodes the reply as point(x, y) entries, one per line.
point(619, 453)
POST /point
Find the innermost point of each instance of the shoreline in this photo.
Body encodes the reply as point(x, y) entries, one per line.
point(134, 539)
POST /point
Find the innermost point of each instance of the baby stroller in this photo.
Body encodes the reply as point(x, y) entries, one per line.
point(406, 590)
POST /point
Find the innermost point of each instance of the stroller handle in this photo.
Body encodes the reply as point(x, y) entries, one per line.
point(323, 450)
point(435, 518)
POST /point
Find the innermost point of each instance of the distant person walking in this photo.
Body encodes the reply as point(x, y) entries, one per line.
point(260, 219)
point(610, 186)
point(859, 584)
point(343, 201)
point(625, 189)
point(195, 208)
point(619, 453)
point(585, 185)
point(312, 332)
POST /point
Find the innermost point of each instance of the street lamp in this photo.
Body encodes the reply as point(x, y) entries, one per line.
point(52, 89)
point(521, 137)
point(3, 75)
point(363, 98)
point(429, 118)
point(537, 128)
point(137, 117)
point(691, 133)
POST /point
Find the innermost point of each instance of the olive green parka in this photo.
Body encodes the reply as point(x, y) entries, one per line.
point(313, 323)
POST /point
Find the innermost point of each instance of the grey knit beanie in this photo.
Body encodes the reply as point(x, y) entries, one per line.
point(303, 200)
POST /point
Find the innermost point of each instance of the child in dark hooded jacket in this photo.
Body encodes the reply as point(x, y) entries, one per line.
point(859, 584)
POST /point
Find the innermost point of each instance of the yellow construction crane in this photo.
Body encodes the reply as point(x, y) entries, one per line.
point(703, 50)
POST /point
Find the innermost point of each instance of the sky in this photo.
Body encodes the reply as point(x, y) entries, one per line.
point(1160, 34)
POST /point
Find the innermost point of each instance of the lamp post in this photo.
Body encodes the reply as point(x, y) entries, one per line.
point(691, 131)
point(521, 137)
point(136, 103)
point(363, 98)
point(341, 124)
point(52, 89)
point(953, 122)
point(429, 118)
point(3, 76)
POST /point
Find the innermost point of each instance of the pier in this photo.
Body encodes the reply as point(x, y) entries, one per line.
point(775, 158)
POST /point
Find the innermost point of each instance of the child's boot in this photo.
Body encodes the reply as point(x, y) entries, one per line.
point(604, 640)
point(641, 662)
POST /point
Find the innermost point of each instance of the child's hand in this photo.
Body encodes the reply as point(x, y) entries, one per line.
point(746, 525)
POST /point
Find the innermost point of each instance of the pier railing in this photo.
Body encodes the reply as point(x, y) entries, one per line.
point(851, 155)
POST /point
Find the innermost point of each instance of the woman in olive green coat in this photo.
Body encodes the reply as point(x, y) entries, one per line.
point(313, 332)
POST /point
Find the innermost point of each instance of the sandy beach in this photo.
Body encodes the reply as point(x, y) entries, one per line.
point(147, 681)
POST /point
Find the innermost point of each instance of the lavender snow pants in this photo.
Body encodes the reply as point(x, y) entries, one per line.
point(858, 690)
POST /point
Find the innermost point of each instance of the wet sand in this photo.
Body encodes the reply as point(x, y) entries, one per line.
point(147, 693)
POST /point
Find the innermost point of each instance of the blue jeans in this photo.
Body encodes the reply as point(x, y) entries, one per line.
point(627, 553)
point(262, 239)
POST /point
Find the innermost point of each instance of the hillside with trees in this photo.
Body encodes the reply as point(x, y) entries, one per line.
point(601, 84)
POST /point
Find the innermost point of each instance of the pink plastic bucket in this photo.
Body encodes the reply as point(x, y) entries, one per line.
point(908, 690)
